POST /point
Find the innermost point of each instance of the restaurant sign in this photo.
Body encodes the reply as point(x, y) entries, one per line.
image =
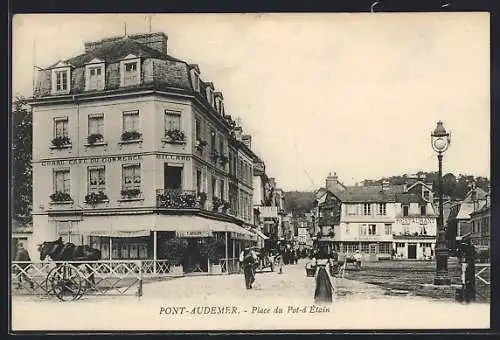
point(93, 160)
point(415, 220)
point(194, 234)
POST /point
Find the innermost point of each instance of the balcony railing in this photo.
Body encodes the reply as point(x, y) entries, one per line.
point(178, 199)
point(189, 199)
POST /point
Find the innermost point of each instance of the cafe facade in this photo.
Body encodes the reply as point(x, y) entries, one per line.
point(124, 166)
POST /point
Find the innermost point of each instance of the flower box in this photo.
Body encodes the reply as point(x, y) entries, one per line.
point(175, 135)
point(95, 138)
point(131, 136)
point(130, 193)
point(61, 142)
point(94, 198)
point(61, 197)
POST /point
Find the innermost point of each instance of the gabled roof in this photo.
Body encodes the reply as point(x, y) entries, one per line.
point(372, 193)
point(465, 210)
point(60, 63)
point(419, 183)
point(481, 194)
point(114, 51)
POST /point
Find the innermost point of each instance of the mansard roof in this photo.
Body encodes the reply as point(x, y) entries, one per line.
point(114, 51)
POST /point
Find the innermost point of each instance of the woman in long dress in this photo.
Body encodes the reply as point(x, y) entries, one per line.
point(324, 288)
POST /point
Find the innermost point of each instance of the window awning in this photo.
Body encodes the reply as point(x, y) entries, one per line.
point(236, 231)
point(261, 234)
point(110, 226)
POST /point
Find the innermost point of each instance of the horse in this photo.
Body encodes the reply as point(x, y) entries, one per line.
point(59, 251)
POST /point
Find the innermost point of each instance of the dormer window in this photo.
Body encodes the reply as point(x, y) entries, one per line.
point(210, 96)
point(130, 70)
point(95, 75)
point(61, 79)
point(195, 80)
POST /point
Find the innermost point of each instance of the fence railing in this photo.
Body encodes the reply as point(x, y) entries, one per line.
point(77, 278)
point(230, 265)
point(104, 277)
point(483, 280)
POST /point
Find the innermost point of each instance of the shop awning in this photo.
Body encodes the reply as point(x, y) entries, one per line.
point(236, 231)
point(184, 226)
point(261, 234)
point(111, 226)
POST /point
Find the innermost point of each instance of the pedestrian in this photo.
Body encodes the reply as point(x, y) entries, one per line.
point(393, 253)
point(23, 255)
point(357, 258)
point(324, 288)
point(248, 260)
point(281, 262)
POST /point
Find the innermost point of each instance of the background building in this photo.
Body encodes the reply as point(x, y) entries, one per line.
point(377, 219)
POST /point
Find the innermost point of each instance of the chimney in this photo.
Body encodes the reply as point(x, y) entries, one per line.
point(474, 195)
point(156, 41)
point(385, 185)
point(331, 181)
point(247, 140)
point(238, 132)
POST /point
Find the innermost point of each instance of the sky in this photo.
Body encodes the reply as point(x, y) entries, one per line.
point(357, 94)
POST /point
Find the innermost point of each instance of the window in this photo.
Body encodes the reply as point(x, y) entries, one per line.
point(196, 81)
point(60, 80)
point(214, 187)
point(62, 181)
point(367, 209)
point(405, 210)
point(221, 145)
point(351, 209)
point(96, 179)
point(388, 229)
point(172, 120)
point(362, 229)
point(364, 247)
point(423, 210)
point(131, 176)
point(426, 194)
point(212, 139)
point(95, 77)
point(372, 229)
point(130, 121)
point(221, 189)
point(96, 125)
point(198, 181)
point(400, 245)
point(130, 71)
point(382, 209)
point(197, 129)
point(61, 127)
point(347, 228)
point(384, 248)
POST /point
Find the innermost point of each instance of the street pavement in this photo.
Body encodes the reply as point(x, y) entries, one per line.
point(221, 302)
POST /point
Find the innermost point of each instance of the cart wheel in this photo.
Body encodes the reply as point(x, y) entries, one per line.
point(65, 282)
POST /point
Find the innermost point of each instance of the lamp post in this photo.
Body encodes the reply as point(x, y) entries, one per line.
point(440, 141)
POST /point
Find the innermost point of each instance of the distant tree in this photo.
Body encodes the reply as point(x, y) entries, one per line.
point(21, 158)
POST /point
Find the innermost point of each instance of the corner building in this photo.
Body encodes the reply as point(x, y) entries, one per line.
point(131, 148)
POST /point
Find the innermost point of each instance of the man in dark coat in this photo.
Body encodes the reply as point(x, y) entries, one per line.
point(23, 255)
point(248, 260)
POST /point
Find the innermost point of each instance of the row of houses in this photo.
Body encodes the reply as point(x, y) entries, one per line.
point(399, 220)
point(131, 148)
point(378, 220)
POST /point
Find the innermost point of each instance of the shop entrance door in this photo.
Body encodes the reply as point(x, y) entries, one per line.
point(412, 251)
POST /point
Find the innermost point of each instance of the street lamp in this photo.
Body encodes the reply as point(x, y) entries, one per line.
point(440, 141)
